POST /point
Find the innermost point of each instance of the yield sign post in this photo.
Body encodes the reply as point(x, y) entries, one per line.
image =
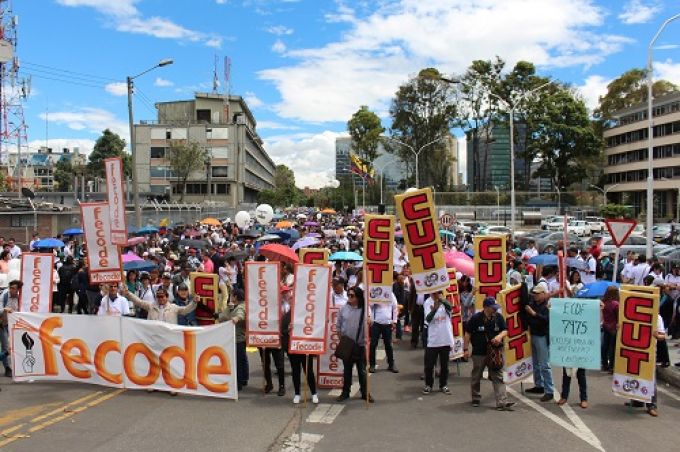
point(619, 230)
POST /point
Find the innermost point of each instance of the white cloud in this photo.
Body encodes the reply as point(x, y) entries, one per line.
point(279, 47)
point(280, 30)
point(380, 50)
point(637, 12)
point(116, 88)
point(591, 90)
point(309, 156)
point(93, 120)
point(84, 145)
point(273, 125)
point(162, 82)
point(252, 100)
point(667, 70)
point(126, 17)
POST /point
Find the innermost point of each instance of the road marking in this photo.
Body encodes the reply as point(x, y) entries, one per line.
point(64, 407)
point(301, 442)
point(580, 425)
point(66, 415)
point(352, 392)
point(10, 430)
point(668, 393)
point(556, 419)
point(14, 415)
point(325, 413)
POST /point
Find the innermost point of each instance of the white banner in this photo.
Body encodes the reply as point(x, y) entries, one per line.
point(36, 274)
point(329, 369)
point(262, 304)
point(310, 309)
point(103, 256)
point(116, 195)
point(124, 352)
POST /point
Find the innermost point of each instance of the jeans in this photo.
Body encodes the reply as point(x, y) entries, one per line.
point(266, 355)
point(431, 355)
point(582, 385)
point(360, 362)
point(496, 377)
point(242, 370)
point(297, 365)
point(4, 343)
point(417, 318)
point(607, 352)
point(541, 360)
point(399, 329)
point(385, 331)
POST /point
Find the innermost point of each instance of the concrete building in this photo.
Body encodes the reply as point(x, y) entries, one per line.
point(394, 172)
point(238, 167)
point(626, 156)
point(35, 169)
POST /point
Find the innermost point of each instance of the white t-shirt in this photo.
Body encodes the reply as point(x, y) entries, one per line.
point(339, 299)
point(119, 306)
point(639, 273)
point(588, 276)
point(439, 330)
point(529, 252)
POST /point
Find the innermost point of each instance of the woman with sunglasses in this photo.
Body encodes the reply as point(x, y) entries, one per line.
point(351, 324)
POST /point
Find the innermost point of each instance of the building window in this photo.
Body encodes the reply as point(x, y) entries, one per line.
point(220, 171)
point(157, 153)
point(222, 189)
point(203, 115)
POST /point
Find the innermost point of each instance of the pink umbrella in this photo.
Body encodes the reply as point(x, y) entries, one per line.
point(136, 240)
point(191, 233)
point(131, 257)
point(461, 262)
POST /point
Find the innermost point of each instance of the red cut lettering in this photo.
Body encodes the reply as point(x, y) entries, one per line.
point(490, 291)
point(517, 345)
point(375, 271)
point(378, 251)
point(490, 272)
point(414, 232)
point(633, 359)
point(379, 229)
point(631, 309)
point(514, 326)
point(642, 341)
point(485, 252)
point(426, 255)
point(409, 207)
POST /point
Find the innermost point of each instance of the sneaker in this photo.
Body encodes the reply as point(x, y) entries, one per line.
point(547, 397)
point(535, 390)
point(296, 399)
point(427, 390)
point(475, 403)
point(445, 390)
point(506, 407)
point(342, 397)
point(315, 399)
point(282, 391)
point(371, 369)
point(393, 369)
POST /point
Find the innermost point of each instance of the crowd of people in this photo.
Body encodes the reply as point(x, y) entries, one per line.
point(163, 293)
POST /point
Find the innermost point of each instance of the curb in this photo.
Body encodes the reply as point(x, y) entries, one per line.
point(670, 375)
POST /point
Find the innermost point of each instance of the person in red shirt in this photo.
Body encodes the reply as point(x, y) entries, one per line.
point(610, 318)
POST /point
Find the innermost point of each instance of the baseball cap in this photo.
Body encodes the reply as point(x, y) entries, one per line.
point(489, 301)
point(539, 288)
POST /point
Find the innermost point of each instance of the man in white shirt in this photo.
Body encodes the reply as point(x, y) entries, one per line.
point(383, 320)
point(114, 304)
point(14, 249)
point(439, 340)
point(339, 294)
point(627, 272)
point(641, 270)
point(588, 273)
point(531, 251)
point(32, 242)
point(673, 281)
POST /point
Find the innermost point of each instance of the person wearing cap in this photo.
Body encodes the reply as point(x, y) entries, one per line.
point(486, 329)
point(439, 341)
point(112, 303)
point(160, 309)
point(538, 317)
point(146, 293)
point(166, 283)
point(181, 299)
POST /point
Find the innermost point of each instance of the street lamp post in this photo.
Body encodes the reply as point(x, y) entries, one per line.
point(417, 153)
point(135, 181)
point(650, 136)
point(498, 205)
point(604, 192)
point(382, 175)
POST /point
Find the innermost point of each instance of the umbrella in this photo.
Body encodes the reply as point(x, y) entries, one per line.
point(313, 234)
point(269, 238)
point(470, 252)
point(596, 289)
point(446, 233)
point(544, 259)
point(576, 263)
point(284, 235)
point(311, 223)
point(278, 216)
point(48, 243)
point(193, 243)
point(238, 254)
point(132, 230)
point(73, 231)
point(131, 257)
point(211, 221)
point(293, 233)
point(191, 233)
point(346, 256)
point(461, 262)
point(284, 224)
point(147, 230)
point(251, 234)
point(329, 211)
point(301, 216)
point(305, 242)
point(276, 252)
point(139, 265)
point(136, 241)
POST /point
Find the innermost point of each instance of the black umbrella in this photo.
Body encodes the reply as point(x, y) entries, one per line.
point(193, 243)
point(239, 254)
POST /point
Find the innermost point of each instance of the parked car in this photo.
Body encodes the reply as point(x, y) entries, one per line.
point(523, 240)
point(596, 224)
point(633, 243)
point(557, 223)
point(579, 227)
point(553, 241)
point(639, 230)
point(546, 221)
point(666, 233)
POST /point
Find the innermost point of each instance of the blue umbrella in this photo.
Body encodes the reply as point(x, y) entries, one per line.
point(73, 231)
point(596, 289)
point(132, 230)
point(147, 230)
point(305, 243)
point(294, 233)
point(470, 252)
point(284, 235)
point(544, 259)
point(139, 266)
point(346, 256)
point(48, 243)
point(446, 233)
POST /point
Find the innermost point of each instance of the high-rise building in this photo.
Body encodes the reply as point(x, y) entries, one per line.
point(393, 169)
point(626, 145)
point(237, 168)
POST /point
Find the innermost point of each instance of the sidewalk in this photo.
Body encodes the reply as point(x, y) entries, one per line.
point(671, 375)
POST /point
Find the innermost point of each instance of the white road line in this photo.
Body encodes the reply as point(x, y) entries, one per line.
point(580, 425)
point(556, 419)
point(352, 392)
point(670, 394)
point(325, 413)
point(302, 442)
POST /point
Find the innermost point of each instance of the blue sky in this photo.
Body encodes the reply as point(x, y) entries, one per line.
point(305, 66)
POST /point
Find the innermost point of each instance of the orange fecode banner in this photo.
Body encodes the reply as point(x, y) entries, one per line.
point(36, 275)
point(103, 256)
point(329, 369)
point(263, 313)
point(517, 345)
point(635, 356)
point(205, 286)
point(490, 267)
point(309, 309)
point(116, 197)
point(125, 353)
point(378, 257)
point(421, 235)
point(314, 255)
point(453, 297)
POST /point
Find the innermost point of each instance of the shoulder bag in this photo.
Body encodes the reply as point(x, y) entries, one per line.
point(346, 345)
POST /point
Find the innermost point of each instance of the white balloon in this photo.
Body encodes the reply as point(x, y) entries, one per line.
point(264, 213)
point(242, 219)
point(14, 267)
point(409, 190)
point(318, 216)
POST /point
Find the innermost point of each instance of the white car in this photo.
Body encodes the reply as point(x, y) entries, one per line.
point(557, 223)
point(579, 227)
point(546, 221)
point(596, 224)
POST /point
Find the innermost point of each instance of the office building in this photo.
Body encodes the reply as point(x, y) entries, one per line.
point(34, 169)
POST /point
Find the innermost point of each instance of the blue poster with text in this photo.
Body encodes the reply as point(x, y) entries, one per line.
point(575, 333)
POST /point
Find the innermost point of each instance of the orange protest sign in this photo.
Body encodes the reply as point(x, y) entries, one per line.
point(205, 286)
point(378, 260)
point(314, 255)
point(453, 297)
point(490, 267)
point(517, 345)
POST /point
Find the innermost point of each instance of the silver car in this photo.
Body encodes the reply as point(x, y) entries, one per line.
point(633, 243)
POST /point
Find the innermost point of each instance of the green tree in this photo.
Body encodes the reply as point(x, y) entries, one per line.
point(108, 145)
point(284, 186)
point(63, 174)
point(422, 112)
point(365, 129)
point(184, 159)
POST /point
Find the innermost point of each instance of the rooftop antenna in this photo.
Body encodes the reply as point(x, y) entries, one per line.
point(227, 76)
point(216, 80)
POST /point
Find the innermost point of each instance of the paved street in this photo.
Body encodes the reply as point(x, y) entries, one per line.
point(89, 418)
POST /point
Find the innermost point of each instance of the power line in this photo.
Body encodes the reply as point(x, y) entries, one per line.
point(81, 74)
point(57, 79)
